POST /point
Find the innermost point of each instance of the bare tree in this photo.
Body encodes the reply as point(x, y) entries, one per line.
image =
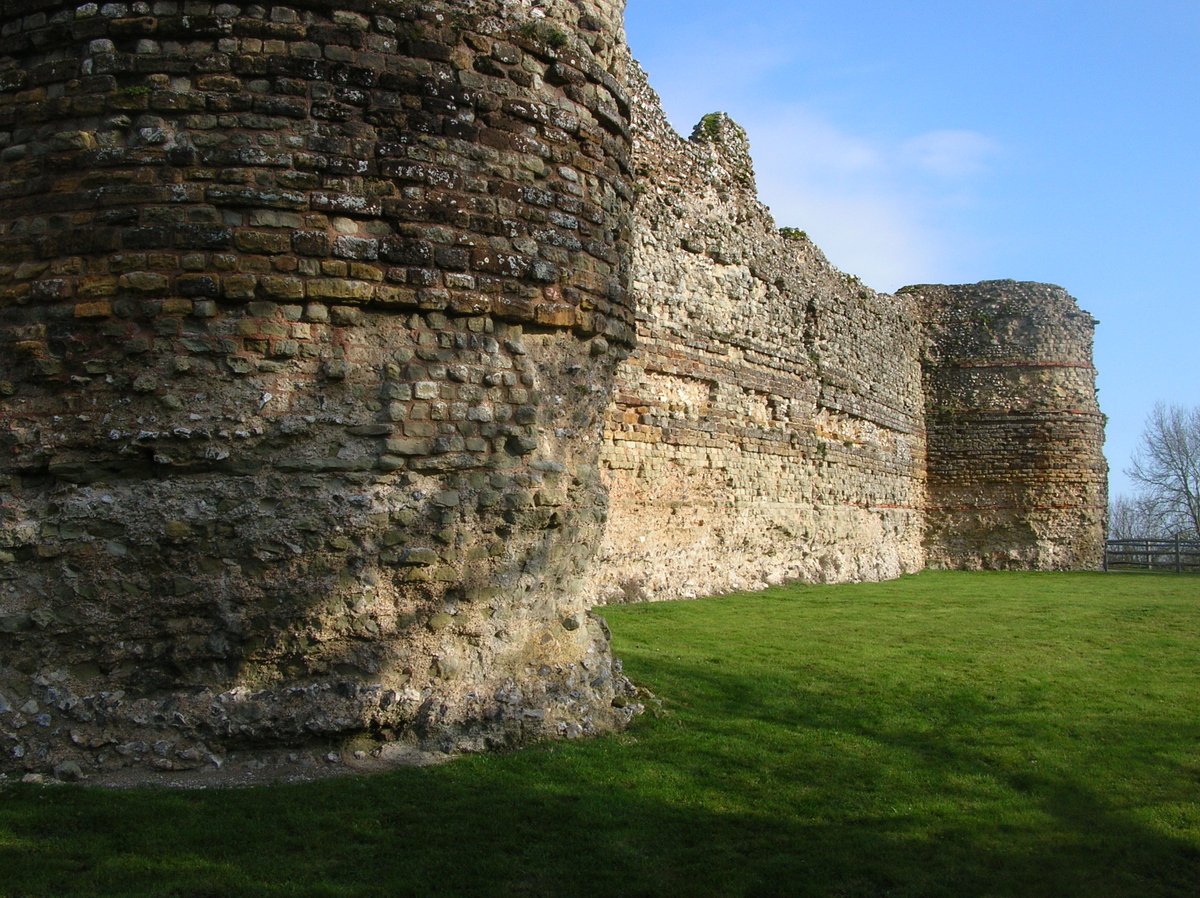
point(1167, 467)
point(1131, 517)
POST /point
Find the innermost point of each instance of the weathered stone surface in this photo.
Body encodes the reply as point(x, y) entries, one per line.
point(779, 420)
point(350, 352)
point(253, 473)
point(1017, 476)
point(769, 425)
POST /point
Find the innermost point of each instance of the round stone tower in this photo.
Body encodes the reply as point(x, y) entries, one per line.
point(309, 313)
point(1016, 471)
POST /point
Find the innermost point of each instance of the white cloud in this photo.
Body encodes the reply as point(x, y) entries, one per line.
point(889, 211)
point(950, 154)
point(819, 146)
point(728, 75)
point(878, 238)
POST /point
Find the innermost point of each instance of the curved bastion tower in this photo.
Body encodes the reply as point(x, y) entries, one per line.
point(308, 318)
point(1016, 476)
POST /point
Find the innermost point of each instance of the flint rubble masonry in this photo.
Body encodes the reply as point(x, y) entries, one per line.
point(350, 354)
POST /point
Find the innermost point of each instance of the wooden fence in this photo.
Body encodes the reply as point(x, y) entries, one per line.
point(1177, 555)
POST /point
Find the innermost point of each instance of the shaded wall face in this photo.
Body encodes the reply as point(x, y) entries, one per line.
point(307, 315)
point(1017, 476)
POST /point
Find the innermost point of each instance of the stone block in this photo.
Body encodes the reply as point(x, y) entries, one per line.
point(270, 242)
point(101, 309)
point(339, 290)
point(147, 283)
point(177, 307)
point(239, 286)
point(281, 287)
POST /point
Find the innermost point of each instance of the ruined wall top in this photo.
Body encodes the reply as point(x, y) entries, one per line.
point(1003, 319)
point(587, 14)
point(600, 24)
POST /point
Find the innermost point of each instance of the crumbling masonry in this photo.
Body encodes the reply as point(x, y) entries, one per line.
point(349, 354)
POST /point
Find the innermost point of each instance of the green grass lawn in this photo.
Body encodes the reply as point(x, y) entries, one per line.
point(946, 734)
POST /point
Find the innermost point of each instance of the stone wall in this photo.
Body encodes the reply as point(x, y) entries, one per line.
point(350, 353)
point(769, 425)
point(1017, 476)
point(308, 314)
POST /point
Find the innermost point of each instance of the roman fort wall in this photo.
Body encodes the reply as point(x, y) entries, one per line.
point(769, 424)
point(350, 354)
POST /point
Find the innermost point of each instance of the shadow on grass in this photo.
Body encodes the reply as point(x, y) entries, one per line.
point(794, 798)
point(946, 792)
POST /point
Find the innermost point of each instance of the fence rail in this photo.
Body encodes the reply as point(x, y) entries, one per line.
point(1177, 555)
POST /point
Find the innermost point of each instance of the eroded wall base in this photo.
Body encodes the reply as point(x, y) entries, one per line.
point(245, 578)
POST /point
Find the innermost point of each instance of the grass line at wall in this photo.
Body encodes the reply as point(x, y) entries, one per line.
point(946, 734)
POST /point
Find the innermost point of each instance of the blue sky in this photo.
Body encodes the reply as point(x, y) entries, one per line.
point(952, 142)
